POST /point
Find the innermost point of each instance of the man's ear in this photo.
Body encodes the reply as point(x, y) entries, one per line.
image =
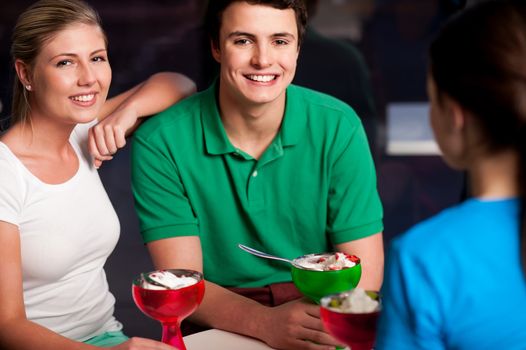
point(23, 72)
point(216, 52)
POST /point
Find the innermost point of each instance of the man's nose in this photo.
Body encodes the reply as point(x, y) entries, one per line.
point(262, 56)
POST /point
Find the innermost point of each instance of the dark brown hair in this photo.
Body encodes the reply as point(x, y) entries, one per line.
point(214, 14)
point(479, 60)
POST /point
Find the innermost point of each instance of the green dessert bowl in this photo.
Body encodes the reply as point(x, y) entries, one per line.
point(315, 284)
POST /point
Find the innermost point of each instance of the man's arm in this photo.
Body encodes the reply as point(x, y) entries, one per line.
point(355, 211)
point(371, 252)
point(219, 305)
point(294, 325)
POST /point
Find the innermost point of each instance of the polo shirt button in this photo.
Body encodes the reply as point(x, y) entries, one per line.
point(255, 173)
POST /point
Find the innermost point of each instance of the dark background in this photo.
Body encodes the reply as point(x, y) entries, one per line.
point(389, 36)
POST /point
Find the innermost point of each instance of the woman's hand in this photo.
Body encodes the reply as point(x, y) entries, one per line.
point(142, 344)
point(296, 325)
point(109, 135)
point(122, 114)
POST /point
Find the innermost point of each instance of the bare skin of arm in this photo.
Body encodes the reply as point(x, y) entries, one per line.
point(283, 327)
point(122, 114)
point(370, 250)
point(16, 331)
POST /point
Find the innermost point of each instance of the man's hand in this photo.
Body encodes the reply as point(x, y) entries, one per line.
point(296, 325)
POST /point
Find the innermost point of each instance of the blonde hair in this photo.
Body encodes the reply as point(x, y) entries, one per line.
point(38, 24)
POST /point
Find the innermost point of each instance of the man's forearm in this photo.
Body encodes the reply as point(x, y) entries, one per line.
point(223, 309)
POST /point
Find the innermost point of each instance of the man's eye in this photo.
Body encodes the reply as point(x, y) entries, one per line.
point(99, 59)
point(242, 42)
point(281, 42)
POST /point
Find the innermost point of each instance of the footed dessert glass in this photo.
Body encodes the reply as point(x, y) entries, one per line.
point(166, 305)
point(356, 330)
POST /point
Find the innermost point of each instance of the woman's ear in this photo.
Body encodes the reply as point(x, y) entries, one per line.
point(456, 113)
point(23, 73)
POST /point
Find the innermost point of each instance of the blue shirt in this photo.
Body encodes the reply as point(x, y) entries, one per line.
point(455, 282)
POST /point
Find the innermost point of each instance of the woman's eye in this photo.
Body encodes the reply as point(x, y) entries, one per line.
point(99, 59)
point(63, 63)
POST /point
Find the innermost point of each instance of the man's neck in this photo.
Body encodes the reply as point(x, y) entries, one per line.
point(251, 128)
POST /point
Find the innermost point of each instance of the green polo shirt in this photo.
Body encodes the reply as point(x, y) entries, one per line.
point(315, 185)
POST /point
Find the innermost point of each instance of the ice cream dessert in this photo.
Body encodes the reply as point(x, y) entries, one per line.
point(352, 317)
point(163, 279)
point(326, 262)
point(357, 301)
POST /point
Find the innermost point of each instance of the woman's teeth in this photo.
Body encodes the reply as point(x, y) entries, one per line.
point(83, 98)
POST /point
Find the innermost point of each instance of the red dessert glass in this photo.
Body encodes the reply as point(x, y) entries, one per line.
point(356, 330)
point(169, 306)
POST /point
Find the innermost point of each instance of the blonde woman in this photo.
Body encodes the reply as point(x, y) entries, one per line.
point(57, 225)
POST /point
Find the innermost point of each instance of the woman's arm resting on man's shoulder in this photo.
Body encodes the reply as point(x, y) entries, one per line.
point(122, 114)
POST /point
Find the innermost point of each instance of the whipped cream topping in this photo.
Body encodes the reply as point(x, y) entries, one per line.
point(357, 301)
point(327, 262)
point(162, 280)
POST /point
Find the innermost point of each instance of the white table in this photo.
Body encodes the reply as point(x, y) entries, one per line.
point(221, 340)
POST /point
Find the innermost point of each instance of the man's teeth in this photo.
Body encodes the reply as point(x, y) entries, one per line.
point(261, 78)
point(83, 98)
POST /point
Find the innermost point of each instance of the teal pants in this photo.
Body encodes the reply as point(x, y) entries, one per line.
point(107, 339)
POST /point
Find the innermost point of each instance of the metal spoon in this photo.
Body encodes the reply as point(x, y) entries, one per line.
point(263, 255)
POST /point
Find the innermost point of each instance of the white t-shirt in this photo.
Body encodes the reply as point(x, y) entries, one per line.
point(67, 231)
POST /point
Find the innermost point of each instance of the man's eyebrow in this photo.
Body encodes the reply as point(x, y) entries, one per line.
point(284, 34)
point(238, 33)
point(252, 36)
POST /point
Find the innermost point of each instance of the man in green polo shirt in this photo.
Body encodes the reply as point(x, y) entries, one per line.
point(257, 161)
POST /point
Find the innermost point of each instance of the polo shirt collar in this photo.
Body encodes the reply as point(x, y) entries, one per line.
point(294, 122)
point(216, 139)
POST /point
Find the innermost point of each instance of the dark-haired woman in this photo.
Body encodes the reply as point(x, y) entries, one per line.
point(457, 280)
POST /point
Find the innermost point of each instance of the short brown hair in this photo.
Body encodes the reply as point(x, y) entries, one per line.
point(214, 14)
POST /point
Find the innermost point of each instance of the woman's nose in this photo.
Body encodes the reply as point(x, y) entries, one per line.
point(86, 75)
